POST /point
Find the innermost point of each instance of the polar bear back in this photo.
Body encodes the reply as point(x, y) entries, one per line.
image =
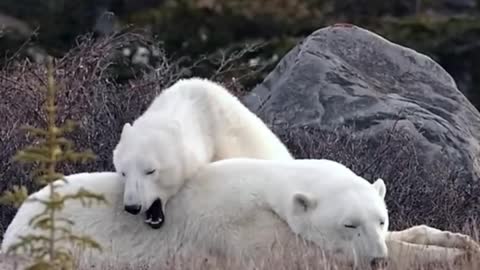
point(206, 109)
point(191, 225)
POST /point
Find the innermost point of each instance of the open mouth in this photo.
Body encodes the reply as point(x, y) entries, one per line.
point(155, 216)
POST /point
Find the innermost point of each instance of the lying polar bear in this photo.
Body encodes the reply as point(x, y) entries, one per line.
point(190, 124)
point(236, 207)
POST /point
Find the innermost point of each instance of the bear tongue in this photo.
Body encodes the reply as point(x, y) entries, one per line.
point(155, 216)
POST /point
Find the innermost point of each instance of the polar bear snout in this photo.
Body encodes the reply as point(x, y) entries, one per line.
point(378, 263)
point(372, 263)
point(155, 216)
point(133, 209)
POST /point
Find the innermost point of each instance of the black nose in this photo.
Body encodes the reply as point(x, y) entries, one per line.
point(133, 209)
point(377, 263)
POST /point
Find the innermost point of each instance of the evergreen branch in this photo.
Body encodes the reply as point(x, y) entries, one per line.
point(52, 148)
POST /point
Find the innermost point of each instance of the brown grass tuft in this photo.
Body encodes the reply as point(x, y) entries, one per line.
point(291, 255)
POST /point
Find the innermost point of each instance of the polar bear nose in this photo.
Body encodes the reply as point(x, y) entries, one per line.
point(378, 263)
point(133, 209)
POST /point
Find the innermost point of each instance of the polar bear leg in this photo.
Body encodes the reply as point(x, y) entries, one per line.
point(426, 244)
point(405, 254)
point(425, 235)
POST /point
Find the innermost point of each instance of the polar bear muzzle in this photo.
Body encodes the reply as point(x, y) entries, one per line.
point(155, 216)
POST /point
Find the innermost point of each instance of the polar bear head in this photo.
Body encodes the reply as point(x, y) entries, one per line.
point(349, 218)
point(150, 163)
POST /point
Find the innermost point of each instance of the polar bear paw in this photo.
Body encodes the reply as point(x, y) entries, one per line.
point(426, 235)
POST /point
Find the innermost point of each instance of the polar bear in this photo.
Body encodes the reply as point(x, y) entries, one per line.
point(233, 207)
point(241, 207)
point(193, 122)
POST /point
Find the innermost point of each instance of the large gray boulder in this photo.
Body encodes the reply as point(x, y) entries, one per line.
point(384, 110)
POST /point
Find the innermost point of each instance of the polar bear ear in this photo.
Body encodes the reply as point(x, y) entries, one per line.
point(125, 130)
point(303, 202)
point(379, 185)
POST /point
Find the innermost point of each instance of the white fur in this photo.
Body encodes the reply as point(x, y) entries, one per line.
point(190, 124)
point(235, 207)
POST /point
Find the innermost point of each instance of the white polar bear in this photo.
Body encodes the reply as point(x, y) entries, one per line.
point(235, 208)
point(190, 124)
point(243, 206)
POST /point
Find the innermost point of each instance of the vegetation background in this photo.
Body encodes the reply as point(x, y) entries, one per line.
point(446, 30)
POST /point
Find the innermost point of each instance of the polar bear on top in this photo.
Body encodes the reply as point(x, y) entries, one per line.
point(193, 122)
point(234, 208)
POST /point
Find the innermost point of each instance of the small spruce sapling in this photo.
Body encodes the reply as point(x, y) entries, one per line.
point(44, 248)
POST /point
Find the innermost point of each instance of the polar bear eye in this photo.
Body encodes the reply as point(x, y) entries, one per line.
point(123, 174)
point(382, 223)
point(350, 226)
point(150, 172)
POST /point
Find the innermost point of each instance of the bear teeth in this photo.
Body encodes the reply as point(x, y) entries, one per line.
point(156, 222)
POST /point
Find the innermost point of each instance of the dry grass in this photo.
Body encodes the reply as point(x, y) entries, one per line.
point(291, 255)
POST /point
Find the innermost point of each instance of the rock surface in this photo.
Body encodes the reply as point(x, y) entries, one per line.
point(346, 77)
